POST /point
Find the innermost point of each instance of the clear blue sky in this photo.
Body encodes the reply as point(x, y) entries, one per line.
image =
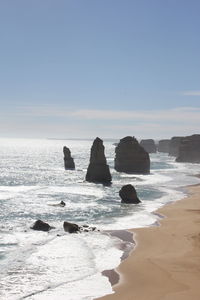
point(82, 68)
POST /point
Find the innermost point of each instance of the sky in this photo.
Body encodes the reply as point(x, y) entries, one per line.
point(107, 68)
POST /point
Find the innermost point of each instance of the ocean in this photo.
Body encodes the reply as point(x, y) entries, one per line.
point(56, 265)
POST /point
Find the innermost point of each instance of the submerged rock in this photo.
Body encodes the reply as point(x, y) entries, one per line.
point(131, 157)
point(189, 149)
point(174, 145)
point(68, 160)
point(149, 145)
point(88, 228)
point(163, 146)
point(128, 194)
point(61, 204)
point(41, 226)
point(98, 171)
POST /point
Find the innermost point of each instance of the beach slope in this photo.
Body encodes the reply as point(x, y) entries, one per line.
point(166, 261)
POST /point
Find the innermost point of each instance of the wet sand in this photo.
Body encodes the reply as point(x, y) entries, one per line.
point(126, 244)
point(165, 264)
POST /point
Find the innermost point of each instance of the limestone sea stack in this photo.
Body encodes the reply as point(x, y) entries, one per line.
point(131, 158)
point(98, 171)
point(189, 149)
point(174, 145)
point(128, 194)
point(68, 160)
point(148, 145)
point(163, 146)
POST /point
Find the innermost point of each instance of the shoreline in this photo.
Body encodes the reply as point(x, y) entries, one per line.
point(165, 262)
point(127, 244)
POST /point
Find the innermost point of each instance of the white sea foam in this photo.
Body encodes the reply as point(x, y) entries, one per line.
point(78, 190)
point(44, 266)
point(44, 269)
point(89, 288)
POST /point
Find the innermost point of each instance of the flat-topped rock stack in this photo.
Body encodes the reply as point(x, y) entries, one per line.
point(131, 157)
point(163, 146)
point(174, 145)
point(149, 145)
point(98, 171)
point(189, 149)
point(68, 160)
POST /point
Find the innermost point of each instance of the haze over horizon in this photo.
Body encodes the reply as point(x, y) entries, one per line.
point(106, 68)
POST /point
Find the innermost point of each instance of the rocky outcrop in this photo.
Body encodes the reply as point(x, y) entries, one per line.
point(74, 228)
point(163, 146)
point(148, 145)
point(131, 157)
point(128, 194)
point(174, 145)
point(98, 171)
point(41, 226)
point(68, 227)
point(68, 160)
point(189, 149)
point(71, 227)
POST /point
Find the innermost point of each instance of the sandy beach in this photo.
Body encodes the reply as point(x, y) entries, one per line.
point(166, 261)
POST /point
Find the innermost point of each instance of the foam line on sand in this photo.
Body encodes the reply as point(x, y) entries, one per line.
point(165, 264)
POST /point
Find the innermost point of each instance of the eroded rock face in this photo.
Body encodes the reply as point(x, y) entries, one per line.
point(163, 146)
point(128, 194)
point(148, 145)
point(189, 149)
point(174, 145)
point(98, 171)
point(41, 226)
point(68, 160)
point(131, 157)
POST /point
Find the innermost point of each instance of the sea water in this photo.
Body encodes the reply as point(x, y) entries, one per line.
point(57, 265)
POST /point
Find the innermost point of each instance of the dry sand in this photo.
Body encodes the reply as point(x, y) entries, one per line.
point(166, 261)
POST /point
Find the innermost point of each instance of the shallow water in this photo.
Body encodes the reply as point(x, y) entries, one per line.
point(40, 265)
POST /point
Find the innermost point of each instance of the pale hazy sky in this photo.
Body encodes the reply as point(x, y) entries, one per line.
point(108, 68)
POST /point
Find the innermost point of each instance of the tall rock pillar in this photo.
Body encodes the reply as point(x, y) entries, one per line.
point(98, 171)
point(68, 160)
